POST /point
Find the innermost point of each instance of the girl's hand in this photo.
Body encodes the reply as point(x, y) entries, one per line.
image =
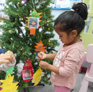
point(42, 55)
point(44, 64)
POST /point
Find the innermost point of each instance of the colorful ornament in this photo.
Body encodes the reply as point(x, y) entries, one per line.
point(18, 3)
point(37, 76)
point(33, 22)
point(49, 40)
point(49, 29)
point(8, 85)
point(27, 72)
point(9, 71)
point(39, 47)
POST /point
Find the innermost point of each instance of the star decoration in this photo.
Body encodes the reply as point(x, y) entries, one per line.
point(37, 76)
point(8, 84)
point(40, 47)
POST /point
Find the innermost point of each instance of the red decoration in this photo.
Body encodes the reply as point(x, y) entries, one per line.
point(27, 72)
point(0, 88)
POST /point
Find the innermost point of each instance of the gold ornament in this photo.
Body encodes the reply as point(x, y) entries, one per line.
point(2, 21)
point(21, 18)
point(18, 3)
point(49, 40)
point(49, 29)
point(9, 31)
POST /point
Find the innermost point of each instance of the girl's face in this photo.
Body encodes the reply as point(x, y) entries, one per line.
point(67, 39)
point(33, 23)
point(26, 74)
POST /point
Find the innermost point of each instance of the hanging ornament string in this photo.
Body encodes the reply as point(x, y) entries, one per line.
point(42, 26)
point(33, 5)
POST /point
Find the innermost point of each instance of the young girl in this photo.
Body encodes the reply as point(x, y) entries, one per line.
point(6, 60)
point(69, 58)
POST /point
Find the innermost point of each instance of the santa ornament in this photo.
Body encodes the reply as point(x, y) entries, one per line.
point(27, 72)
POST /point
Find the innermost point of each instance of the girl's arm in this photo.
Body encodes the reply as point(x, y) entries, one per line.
point(51, 56)
point(43, 55)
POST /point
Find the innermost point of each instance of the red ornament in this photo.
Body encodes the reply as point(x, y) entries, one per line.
point(27, 72)
point(0, 88)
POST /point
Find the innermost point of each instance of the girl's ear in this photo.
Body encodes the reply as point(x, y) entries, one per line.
point(74, 33)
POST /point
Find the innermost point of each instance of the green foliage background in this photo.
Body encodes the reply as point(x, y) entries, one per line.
point(21, 42)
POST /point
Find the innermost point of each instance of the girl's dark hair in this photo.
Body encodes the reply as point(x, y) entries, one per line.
point(72, 20)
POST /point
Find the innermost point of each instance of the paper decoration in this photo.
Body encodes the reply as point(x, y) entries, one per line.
point(10, 71)
point(39, 47)
point(27, 72)
point(33, 22)
point(8, 85)
point(37, 76)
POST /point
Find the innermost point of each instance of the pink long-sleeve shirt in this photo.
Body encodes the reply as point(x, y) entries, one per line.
point(69, 60)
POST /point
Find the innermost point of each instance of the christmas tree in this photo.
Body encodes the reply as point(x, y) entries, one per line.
point(17, 38)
